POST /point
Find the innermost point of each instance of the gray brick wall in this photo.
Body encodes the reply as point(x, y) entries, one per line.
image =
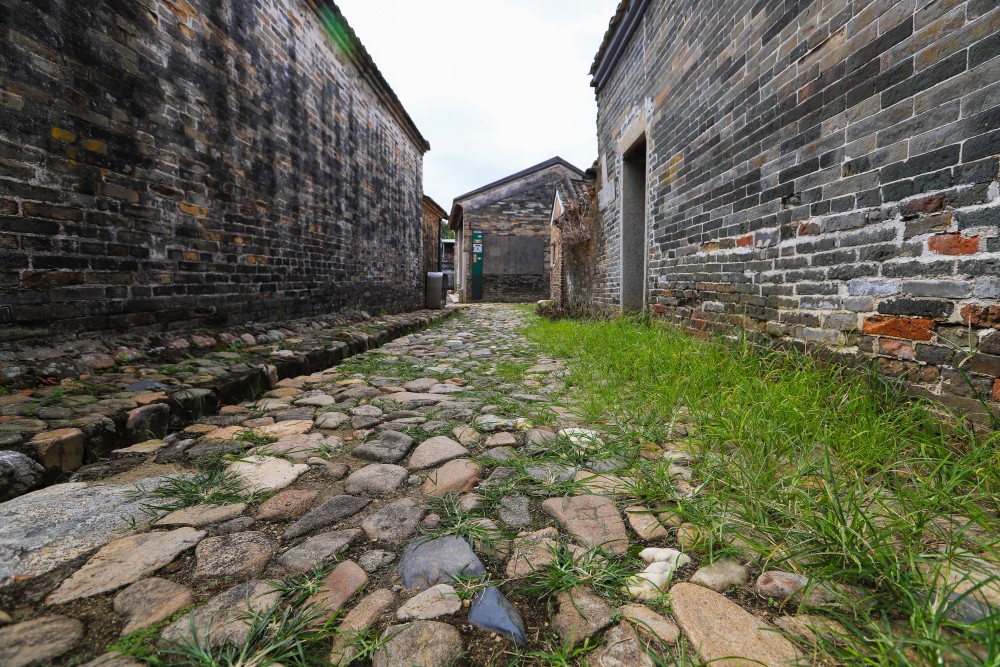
point(170, 165)
point(823, 171)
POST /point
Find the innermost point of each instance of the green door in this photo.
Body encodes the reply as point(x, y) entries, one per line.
point(477, 265)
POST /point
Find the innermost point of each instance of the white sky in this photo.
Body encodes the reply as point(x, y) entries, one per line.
point(494, 85)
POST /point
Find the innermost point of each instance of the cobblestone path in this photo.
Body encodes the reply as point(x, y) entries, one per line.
point(434, 502)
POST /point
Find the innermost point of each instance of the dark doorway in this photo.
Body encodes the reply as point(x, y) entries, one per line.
point(633, 232)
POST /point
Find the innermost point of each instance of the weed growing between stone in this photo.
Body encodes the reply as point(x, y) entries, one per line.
point(211, 486)
point(292, 635)
point(889, 509)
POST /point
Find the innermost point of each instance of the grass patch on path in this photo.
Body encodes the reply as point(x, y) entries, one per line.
point(810, 469)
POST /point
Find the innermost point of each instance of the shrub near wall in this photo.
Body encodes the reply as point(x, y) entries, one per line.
point(825, 171)
point(176, 164)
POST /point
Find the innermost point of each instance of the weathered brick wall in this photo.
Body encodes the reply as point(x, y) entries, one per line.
point(822, 170)
point(431, 223)
point(522, 207)
point(186, 163)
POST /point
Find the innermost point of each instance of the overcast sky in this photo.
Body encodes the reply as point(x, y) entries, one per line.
point(494, 85)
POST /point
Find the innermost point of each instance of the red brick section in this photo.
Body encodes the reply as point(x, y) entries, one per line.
point(745, 241)
point(913, 328)
point(953, 244)
point(981, 316)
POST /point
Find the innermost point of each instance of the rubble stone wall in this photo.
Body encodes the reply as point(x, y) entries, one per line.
point(169, 165)
point(821, 171)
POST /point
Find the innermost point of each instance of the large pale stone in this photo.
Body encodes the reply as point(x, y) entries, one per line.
point(594, 520)
point(149, 601)
point(38, 641)
point(125, 561)
point(453, 477)
point(723, 633)
point(260, 474)
point(721, 575)
point(286, 429)
point(438, 600)
point(44, 529)
point(435, 451)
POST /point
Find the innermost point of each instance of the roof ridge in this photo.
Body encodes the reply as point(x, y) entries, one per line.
point(551, 162)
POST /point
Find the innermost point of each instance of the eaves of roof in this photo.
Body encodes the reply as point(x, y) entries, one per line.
point(340, 31)
point(623, 25)
point(521, 174)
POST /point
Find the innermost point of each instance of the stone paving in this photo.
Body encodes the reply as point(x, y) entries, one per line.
point(410, 495)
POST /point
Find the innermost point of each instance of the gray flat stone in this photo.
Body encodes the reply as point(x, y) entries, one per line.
point(328, 513)
point(42, 530)
point(389, 447)
point(425, 563)
point(394, 523)
point(318, 549)
point(18, 474)
point(376, 479)
point(237, 555)
point(435, 451)
point(514, 511)
point(419, 644)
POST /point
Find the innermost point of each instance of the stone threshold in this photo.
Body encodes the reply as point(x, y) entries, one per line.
point(84, 418)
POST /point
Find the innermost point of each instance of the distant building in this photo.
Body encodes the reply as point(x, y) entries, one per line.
point(433, 217)
point(513, 216)
point(448, 261)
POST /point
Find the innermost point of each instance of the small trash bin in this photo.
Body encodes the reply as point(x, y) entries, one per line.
point(435, 290)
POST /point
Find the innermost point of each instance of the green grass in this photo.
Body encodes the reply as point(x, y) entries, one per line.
point(804, 467)
point(287, 635)
point(605, 573)
point(214, 486)
point(256, 438)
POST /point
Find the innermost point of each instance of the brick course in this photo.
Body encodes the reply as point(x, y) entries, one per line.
point(821, 170)
point(170, 165)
